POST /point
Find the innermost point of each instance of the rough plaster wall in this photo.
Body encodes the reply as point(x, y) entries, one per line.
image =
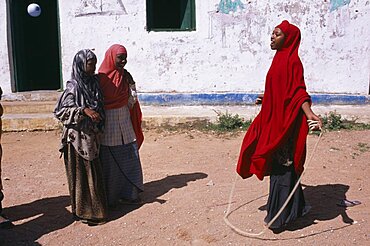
point(4, 59)
point(229, 51)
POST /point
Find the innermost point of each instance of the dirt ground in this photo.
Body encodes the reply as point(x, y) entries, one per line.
point(188, 178)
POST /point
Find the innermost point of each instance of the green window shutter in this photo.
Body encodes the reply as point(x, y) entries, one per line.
point(149, 14)
point(170, 15)
point(185, 14)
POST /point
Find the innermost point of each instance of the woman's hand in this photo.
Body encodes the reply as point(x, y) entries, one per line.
point(132, 99)
point(314, 121)
point(94, 116)
point(259, 99)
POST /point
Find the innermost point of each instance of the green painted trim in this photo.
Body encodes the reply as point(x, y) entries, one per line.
point(60, 47)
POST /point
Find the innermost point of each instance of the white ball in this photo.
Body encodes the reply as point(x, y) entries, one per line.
point(34, 10)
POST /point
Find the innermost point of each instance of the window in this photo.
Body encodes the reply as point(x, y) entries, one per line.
point(170, 15)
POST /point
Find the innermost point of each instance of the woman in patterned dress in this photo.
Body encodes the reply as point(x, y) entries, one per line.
point(80, 109)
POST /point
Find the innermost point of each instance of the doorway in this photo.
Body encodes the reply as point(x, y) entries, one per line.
point(34, 46)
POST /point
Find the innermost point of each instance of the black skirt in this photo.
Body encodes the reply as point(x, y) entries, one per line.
point(282, 181)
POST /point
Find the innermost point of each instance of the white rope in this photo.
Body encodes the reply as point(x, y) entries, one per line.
point(256, 235)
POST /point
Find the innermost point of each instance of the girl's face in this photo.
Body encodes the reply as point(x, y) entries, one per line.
point(90, 67)
point(277, 39)
point(121, 60)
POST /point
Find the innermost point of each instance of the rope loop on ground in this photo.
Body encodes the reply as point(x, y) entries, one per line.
point(256, 235)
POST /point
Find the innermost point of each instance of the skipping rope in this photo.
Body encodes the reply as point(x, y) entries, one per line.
point(311, 125)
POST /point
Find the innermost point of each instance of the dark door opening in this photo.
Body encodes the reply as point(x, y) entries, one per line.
point(34, 46)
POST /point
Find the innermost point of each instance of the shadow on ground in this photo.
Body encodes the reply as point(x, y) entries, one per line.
point(50, 214)
point(324, 200)
point(40, 217)
point(157, 188)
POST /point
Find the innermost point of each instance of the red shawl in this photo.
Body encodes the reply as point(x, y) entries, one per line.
point(115, 87)
point(281, 116)
point(112, 80)
point(136, 118)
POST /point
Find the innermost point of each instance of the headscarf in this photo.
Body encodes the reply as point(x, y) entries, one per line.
point(281, 116)
point(115, 86)
point(112, 82)
point(88, 93)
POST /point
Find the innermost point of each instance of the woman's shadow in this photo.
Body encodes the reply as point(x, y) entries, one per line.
point(41, 217)
point(323, 199)
point(50, 214)
point(155, 189)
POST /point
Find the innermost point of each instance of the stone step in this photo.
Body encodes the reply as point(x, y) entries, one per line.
point(29, 122)
point(21, 107)
point(30, 96)
point(30, 114)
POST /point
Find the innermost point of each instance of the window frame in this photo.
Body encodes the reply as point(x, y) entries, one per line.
point(190, 10)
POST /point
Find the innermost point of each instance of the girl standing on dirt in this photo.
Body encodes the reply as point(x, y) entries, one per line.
point(123, 135)
point(80, 109)
point(275, 143)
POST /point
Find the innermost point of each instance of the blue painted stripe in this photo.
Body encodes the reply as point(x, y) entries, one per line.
point(173, 99)
point(340, 99)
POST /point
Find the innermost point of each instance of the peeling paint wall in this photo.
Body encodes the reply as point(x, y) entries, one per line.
point(228, 52)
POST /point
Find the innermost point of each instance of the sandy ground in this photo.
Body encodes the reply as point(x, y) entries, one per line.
point(188, 179)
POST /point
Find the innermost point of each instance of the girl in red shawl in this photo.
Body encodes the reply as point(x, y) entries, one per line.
point(122, 138)
point(275, 143)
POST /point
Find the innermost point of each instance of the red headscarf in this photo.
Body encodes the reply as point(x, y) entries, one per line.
point(115, 86)
point(281, 116)
point(112, 83)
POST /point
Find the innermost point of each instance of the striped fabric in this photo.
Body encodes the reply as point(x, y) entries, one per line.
point(118, 127)
point(85, 183)
point(122, 172)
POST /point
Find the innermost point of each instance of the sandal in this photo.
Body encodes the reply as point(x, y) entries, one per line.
point(76, 218)
point(94, 222)
point(347, 203)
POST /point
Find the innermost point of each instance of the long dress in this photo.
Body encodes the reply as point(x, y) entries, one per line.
point(123, 135)
point(80, 141)
point(120, 158)
point(85, 182)
point(282, 181)
point(275, 143)
point(83, 168)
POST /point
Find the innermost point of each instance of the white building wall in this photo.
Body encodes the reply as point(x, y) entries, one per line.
point(228, 52)
point(4, 58)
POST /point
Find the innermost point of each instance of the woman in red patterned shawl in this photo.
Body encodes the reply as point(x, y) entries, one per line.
point(122, 138)
point(275, 143)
